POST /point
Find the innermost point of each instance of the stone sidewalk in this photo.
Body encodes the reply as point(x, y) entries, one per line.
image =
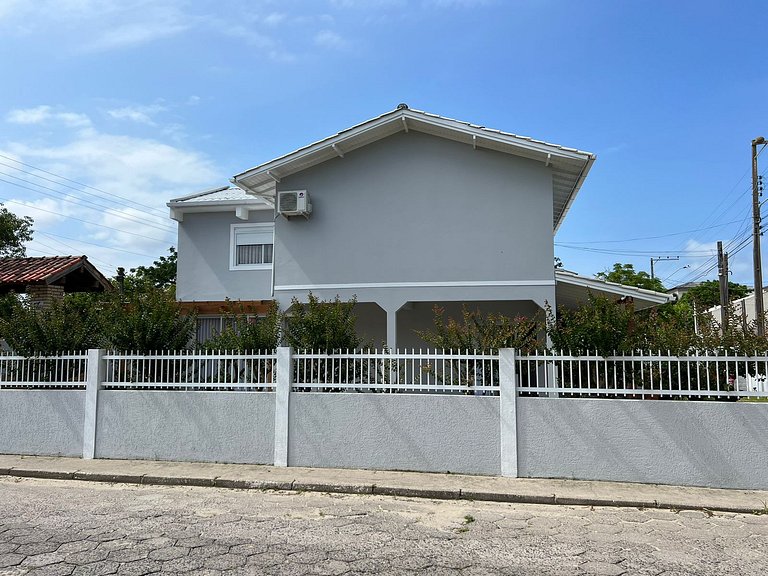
point(414, 484)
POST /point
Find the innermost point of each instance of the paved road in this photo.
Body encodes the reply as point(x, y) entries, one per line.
point(66, 527)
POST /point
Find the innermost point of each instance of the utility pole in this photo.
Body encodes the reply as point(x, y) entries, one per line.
point(722, 273)
point(759, 312)
point(659, 259)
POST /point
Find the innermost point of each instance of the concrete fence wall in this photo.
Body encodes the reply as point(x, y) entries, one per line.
point(717, 444)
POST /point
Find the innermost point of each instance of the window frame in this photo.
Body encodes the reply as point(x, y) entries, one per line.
point(261, 227)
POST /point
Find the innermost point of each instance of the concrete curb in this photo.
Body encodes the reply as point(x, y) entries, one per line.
point(342, 488)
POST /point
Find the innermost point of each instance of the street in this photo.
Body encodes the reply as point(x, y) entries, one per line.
point(53, 527)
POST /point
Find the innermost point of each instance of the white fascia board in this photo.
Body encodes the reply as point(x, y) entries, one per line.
point(612, 287)
point(202, 207)
point(415, 118)
point(575, 191)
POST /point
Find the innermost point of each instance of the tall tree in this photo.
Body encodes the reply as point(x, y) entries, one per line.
point(161, 274)
point(627, 275)
point(707, 294)
point(14, 232)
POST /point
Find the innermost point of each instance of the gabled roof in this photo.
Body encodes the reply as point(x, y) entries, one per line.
point(573, 290)
point(222, 199)
point(569, 165)
point(74, 273)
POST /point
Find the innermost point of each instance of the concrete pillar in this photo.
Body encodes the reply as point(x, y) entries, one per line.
point(97, 368)
point(392, 328)
point(283, 386)
point(508, 411)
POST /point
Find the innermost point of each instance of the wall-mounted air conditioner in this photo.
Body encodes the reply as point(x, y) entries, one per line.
point(294, 203)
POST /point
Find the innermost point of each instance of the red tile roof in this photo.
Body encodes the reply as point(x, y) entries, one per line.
point(16, 273)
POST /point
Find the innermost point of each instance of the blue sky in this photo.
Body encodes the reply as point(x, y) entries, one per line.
point(136, 102)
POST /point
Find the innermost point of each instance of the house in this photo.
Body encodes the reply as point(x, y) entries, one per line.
point(404, 211)
point(47, 278)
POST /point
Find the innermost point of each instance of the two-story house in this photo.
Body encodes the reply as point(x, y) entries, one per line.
point(403, 211)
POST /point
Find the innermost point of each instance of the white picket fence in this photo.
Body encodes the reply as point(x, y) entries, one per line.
point(635, 376)
point(67, 370)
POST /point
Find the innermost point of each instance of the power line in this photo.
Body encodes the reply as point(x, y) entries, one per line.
point(81, 220)
point(130, 217)
point(76, 182)
point(92, 244)
point(652, 237)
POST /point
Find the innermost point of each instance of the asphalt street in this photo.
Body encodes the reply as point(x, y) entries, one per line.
point(59, 527)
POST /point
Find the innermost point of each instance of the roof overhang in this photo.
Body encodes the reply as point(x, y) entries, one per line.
point(569, 165)
point(241, 208)
point(573, 290)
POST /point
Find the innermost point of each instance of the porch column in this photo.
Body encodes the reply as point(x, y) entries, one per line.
point(392, 328)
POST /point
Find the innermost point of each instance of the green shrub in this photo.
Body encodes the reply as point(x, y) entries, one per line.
point(478, 331)
point(321, 326)
point(147, 320)
point(67, 325)
point(242, 332)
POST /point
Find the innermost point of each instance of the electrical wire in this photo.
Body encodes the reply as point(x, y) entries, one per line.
point(133, 219)
point(109, 194)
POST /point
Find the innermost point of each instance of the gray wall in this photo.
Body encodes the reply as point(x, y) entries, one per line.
point(716, 444)
point(203, 266)
point(42, 422)
point(195, 426)
point(428, 433)
point(417, 208)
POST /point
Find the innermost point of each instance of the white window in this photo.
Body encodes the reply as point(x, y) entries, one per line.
point(251, 246)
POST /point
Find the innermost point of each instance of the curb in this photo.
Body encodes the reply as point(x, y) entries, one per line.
point(432, 494)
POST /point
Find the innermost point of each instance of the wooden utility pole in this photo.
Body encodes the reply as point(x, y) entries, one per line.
point(659, 259)
point(722, 273)
point(759, 312)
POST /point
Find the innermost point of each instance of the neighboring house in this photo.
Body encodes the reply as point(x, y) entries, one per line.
point(743, 310)
point(47, 278)
point(681, 289)
point(408, 210)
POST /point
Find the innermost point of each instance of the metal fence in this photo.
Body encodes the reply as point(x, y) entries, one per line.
point(191, 370)
point(702, 376)
point(68, 370)
point(710, 375)
point(430, 371)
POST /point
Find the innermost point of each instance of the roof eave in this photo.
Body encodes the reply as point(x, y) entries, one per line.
point(613, 287)
point(572, 196)
point(255, 179)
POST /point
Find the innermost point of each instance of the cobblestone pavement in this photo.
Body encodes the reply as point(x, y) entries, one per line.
point(65, 527)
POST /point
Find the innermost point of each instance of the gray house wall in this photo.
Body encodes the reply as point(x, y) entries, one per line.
point(203, 262)
point(414, 209)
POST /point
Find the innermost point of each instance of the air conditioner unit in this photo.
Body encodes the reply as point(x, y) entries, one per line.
point(294, 203)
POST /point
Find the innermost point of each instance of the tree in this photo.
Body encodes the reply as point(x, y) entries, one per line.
point(14, 232)
point(627, 275)
point(161, 274)
point(707, 294)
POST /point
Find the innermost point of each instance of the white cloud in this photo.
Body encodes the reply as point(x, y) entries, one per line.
point(44, 114)
point(140, 114)
point(329, 39)
point(44, 211)
point(126, 182)
point(456, 3)
point(274, 19)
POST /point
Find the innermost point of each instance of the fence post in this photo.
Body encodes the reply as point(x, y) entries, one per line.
point(282, 400)
point(508, 411)
point(96, 372)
